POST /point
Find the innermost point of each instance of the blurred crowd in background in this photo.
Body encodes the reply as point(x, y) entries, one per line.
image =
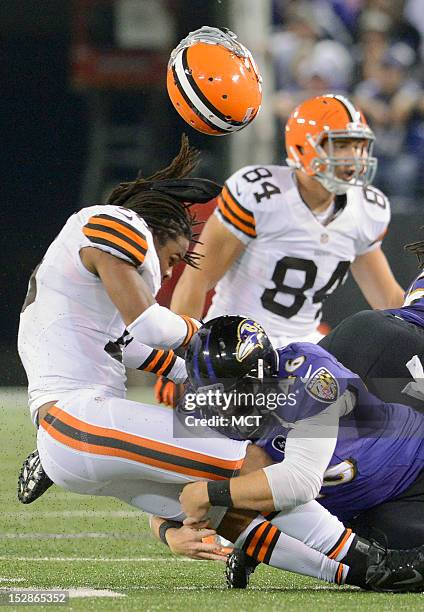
point(373, 51)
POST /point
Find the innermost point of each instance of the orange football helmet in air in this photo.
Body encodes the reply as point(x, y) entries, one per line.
point(213, 82)
point(326, 119)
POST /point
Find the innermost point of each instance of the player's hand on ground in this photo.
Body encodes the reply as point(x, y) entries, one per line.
point(189, 542)
point(194, 501)
point(167, 392)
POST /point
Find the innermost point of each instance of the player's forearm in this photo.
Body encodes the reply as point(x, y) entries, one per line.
point(189, 294)
point(391, 296)
point(155, 522)
point(397, 296)
point(250, 492)
point(375, 279)
point(139, 356)
point(185, 541)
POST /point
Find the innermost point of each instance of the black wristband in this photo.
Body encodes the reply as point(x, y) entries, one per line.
point(219, 493)
point(163, 528)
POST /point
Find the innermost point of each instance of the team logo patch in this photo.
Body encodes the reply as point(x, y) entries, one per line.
point(250, 336)
point(323, 386)
point(279, 443)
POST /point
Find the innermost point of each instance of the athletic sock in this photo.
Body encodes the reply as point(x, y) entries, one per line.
point(265, 543)
point(340, 549)
point(312, 524)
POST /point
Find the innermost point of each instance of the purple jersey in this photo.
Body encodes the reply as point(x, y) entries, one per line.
point(413, 306)
point(379, 450)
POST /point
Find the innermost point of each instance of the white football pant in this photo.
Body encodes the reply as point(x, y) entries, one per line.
point(99, 445)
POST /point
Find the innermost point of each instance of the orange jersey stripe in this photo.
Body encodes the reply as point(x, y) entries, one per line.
point(138, 440)
point(119, 228)
point(251, 548)
point(233, 220)
point(154, 361)
point(123, 454)
point(235, 206)
point(114, 240)
point(191, 329)
point(166, 363)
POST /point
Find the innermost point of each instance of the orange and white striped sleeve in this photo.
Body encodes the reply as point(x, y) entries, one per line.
point(234, 209)
point(121, 238)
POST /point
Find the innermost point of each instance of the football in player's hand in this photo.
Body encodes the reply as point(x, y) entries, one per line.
point(213, 82)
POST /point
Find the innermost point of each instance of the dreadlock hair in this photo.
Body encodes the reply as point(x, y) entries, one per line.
point(166, 216)
point(418, 249)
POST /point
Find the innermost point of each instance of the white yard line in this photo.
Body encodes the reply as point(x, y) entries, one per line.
point(73, 593)
point(156, 587)
point(99, 559)
point(73, 514)
point(81, 592)
point(65, 536)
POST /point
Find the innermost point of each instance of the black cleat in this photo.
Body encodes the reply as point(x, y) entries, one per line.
point(395, 571)
point(238, 569)
point(33, 480)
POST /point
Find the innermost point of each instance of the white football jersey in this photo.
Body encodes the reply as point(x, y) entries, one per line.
point(68, 319)
point(291, 262)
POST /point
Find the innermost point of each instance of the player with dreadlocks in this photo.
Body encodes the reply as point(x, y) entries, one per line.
point(386, 341)
point(119, 253)
point(91, 297)
point(125, 248)
point(163, 200)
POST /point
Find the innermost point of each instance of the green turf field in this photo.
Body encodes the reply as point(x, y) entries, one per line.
point(75, 542)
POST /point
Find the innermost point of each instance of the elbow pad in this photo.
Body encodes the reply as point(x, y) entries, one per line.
point(159, 327)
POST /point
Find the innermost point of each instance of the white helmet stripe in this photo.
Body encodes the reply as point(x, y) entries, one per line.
point(197, 103)
point(353, 112)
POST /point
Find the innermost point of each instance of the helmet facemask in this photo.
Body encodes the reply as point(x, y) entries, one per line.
point(217, 36)
point(325, 164)
point(231, 401)
point(231, 366)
